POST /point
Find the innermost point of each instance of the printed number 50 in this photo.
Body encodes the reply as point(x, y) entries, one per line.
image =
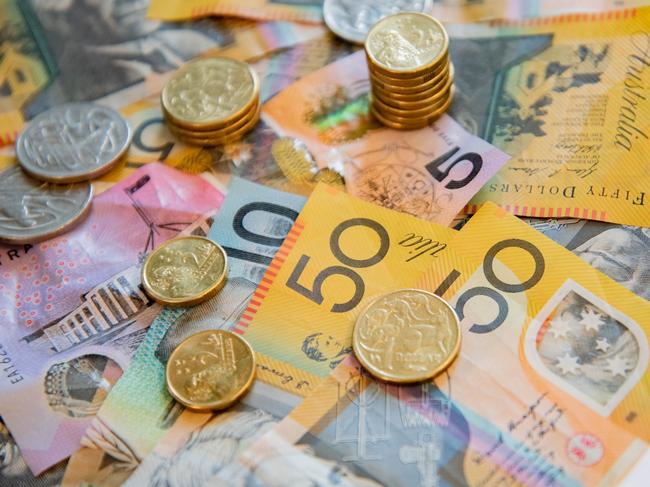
point(315, 294)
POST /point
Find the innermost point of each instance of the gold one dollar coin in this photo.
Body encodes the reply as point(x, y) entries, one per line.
point(185, 271)
point(210, 370)
point(406, 336)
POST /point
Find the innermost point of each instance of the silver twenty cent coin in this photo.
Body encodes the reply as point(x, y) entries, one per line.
point(31, 210)
point(73, 142)
point(352, 19)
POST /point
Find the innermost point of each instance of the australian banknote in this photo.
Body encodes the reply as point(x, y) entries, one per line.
point(14, 470)
point(220, 437)
point(429, 173)
point(293, 10)
point(478, 10)
point(620, 251)
point(322, 272)
point(60, 51)
point(261, 156)
point(445, 10)
point(251, 226)
point(550, 387)
point(565, 97)
point(73, 311)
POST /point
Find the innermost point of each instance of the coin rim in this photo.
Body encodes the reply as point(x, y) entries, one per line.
point(447, 70)
point(213, 123)
point(186, 301)
point(412, 82)
point(62, 228)
point(222, 132)
point(214, 141)
point(217, 404)
point(76, 177)
point(436, 98)
point(410, 113)
point(417, 125)
point(378, 374)
point(332, 26)
point(412, 71)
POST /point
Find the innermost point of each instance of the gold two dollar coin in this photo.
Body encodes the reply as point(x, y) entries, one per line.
point(185, 271)
point(210, 370)
point(406, 336)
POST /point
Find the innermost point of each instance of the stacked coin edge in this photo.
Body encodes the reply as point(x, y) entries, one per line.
point(410, 99)
point(214, 132)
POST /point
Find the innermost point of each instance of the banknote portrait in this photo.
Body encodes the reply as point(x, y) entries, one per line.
point(214, 446)
point(14, 470)
point(582, 344)
point(77, 387)
point(116, 45)
point(622, 252)
point(325, 348)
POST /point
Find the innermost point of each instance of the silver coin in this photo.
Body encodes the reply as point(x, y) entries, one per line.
point(73, 142)
point(352, 19)
point(31, 210)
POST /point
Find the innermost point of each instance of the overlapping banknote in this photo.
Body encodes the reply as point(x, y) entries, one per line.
point(549, 389)
point(73, 312)
point(565, 98)
point(360, 11)
point(429, 173)
point(250, 226)
point(55, 52)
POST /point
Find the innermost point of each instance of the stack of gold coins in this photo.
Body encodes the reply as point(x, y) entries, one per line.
point(411, 76)
point(212, 101)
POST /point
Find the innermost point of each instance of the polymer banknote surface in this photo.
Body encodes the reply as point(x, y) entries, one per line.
point(73, 310)
point(251, 226)
point(565, 98)
point(429, 173)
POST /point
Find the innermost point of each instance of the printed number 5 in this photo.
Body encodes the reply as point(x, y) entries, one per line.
point(316, 294)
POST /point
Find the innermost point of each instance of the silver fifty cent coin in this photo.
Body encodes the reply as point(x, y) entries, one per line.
point(73, 142)
point(352, 19)
point(31, 210)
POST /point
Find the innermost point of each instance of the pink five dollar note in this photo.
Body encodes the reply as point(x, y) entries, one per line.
point(72, 311)
point(429, 173)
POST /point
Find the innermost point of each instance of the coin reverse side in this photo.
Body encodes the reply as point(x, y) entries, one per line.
point(185, 271)
point(73, 142)
point(210, 370)
point(406, 336)
point(32, 211)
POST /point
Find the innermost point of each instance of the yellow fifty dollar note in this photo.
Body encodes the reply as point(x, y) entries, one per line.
point(544, 323)
point(340, 253)
point(567, 98)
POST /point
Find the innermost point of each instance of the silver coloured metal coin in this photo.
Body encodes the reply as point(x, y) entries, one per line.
point(31, 210)
point(73, 142)
point(352, 19)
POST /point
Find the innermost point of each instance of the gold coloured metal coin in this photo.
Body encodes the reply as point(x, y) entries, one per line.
point(423, 102)
point(210, 93)
point(417, 88)
point(404, 44)
point(406, 336)
point(210, 370)
point(185, 271)
point(217, 139)
point(410, 113)
point(422, 79)
point(225, 131)
point(413, 101)
point(411, 124)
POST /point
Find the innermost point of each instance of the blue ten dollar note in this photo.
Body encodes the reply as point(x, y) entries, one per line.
point(251, 226)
